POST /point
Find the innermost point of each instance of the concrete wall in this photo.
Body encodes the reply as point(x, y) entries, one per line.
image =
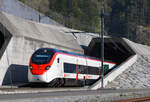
point(15, 60)
point(14, 55)
point(137, 75)
point(84, 39)
point(114, 73)
point(132, 73)
point(54, 35)
point(115, 49)
point(21, 39)
point(138, 48)
point(120, 51)
point(1, 39)
point(18, 9)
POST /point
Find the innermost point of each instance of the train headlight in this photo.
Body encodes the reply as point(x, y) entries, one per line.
point(30, 67)
point(47, 68)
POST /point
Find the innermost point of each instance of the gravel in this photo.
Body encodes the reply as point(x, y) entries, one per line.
point(136, 76)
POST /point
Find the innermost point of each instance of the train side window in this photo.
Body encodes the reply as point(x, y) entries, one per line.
point(88, 70)
point(82, 69)
point(93, 70)
point(58, 60)
point(69, 68)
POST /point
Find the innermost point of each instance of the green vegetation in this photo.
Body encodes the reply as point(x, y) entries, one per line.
point(121, 95)
point(126, 15)
point(77, 14)
point(123, 20)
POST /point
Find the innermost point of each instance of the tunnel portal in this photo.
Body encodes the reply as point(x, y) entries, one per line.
point(1, 39)
point(115, 49)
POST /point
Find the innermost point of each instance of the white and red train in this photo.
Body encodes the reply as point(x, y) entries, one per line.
point(56, 67)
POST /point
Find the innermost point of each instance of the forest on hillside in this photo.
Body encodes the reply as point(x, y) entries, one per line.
point(125, 18)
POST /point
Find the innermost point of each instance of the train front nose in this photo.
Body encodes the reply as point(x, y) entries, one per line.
point(37, 74)
point(39, 78)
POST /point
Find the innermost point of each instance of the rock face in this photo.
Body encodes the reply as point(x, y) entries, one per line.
point(137, 76)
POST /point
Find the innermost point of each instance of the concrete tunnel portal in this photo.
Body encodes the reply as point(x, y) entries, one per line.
point(115, 49)
point(15, 59)
point(1, 39)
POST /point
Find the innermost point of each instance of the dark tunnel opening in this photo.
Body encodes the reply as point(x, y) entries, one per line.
point(115, 49)
point(1, 40)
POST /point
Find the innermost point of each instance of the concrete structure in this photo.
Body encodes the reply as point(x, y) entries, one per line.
point(84, 39)
point(18, 9)
point(116, 50)
point(114, 73)
point(138, 74)
point(22, 38)
point(17, 35)
point(21, 10)
point(113, 77)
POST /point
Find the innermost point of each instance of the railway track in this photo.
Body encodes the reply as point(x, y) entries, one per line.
point(32, 94)
point(142, 99)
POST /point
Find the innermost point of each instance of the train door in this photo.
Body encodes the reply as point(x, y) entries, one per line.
point(59, 67)
point(60, 71)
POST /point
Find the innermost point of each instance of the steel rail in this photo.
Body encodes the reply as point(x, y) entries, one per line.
point(135, 99)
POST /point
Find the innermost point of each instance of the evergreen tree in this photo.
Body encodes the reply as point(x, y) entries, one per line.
point(123, 19)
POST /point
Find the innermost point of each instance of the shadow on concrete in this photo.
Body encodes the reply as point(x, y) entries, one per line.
point(16, 74)
point(1, 39)
point(5, 37)
point(115, 49)
point(84, 48)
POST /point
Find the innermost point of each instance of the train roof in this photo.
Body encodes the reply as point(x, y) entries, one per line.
point(71, 53)
point(57, 50)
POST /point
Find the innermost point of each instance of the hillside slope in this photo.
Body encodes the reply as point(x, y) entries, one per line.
point(122, 19)
point(77, 14)
point(21, 10)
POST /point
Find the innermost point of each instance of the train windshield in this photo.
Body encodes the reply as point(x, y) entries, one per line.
point(42, 56)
